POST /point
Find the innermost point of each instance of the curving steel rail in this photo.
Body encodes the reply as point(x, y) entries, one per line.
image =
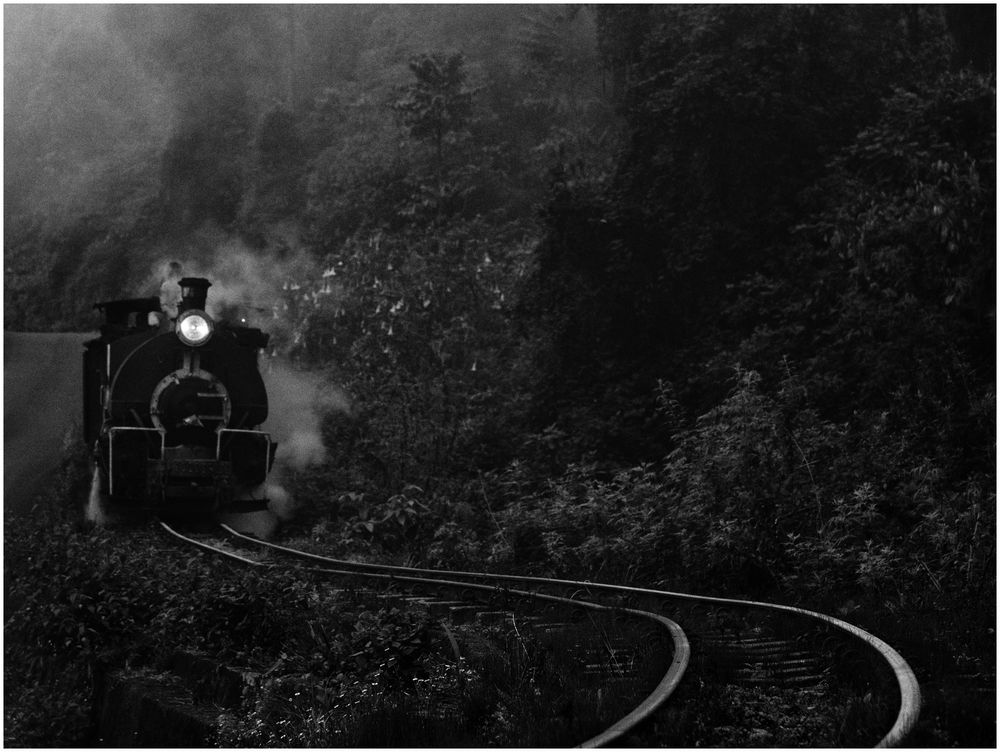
point(660, 694)
point(906, 680)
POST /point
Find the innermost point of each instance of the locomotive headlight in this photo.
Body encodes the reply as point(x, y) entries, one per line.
point(194, 327)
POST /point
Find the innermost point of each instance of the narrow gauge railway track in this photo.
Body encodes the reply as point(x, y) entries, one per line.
point(775, 648)
point(612, 667)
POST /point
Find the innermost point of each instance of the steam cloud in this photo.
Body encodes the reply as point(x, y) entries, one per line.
point(241, 277)
point(298, 401)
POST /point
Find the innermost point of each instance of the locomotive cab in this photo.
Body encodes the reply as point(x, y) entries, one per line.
point(175, 411)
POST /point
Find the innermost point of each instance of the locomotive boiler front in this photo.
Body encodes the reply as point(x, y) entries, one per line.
point(189, 399)
point(181, 409)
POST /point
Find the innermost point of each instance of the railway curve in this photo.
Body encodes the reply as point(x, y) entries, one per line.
point(906, 681)
point(650, 704)
point(579, 593)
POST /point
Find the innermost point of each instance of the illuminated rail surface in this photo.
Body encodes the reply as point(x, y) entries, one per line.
point(770, 650)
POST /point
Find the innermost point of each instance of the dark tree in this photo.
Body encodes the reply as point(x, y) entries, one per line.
point(437, 105)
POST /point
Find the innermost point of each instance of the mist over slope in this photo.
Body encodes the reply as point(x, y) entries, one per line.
point(139, 133)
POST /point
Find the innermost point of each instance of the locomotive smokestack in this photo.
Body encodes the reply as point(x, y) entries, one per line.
point(194, 293)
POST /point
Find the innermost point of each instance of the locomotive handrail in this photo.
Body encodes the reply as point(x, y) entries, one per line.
point(112, 382)
point(909, 688)
point(265, 434)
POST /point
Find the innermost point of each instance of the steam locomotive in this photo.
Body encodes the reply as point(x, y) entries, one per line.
point(173, 407)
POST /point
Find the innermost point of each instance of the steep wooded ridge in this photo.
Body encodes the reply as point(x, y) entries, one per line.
point(684, 296)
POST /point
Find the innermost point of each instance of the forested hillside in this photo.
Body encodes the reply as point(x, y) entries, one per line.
point(691, 295)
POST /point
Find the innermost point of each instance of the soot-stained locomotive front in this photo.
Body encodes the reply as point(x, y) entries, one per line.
point(174, 407)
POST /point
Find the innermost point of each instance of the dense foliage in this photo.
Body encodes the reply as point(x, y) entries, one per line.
point(691, 294)
point(80, 600)
point(109, 603)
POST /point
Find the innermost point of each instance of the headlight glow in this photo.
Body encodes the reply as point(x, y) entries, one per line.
point(194, 328)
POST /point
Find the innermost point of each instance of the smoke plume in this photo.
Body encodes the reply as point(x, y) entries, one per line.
point(252, 281)
point(298, 402)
